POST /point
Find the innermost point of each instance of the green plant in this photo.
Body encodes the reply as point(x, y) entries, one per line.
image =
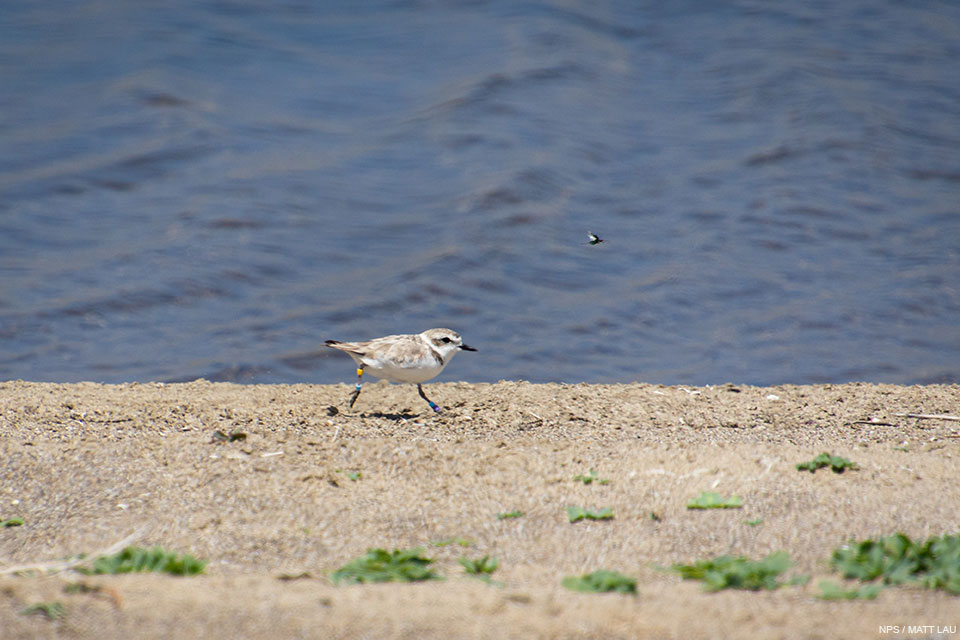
point(81, 587)
point(711, 500)
point(590, 478)
point(463, 542)
point(896, 559)
point(354, 475)
point(753, 523)
point(134, 559)
point(729, 572)
point(576, 514)
point(600, 582)
point(480, 566)
point(12, 522)
point(378, 565)
point(832, 591)
point(52, 610)
point(516, 513)
point(836, 464)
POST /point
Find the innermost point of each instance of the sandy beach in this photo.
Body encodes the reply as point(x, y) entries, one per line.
point(307, 488)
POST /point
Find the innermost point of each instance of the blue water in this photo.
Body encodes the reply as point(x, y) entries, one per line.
point(211, 189)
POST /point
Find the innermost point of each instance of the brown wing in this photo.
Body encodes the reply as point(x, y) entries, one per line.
point(409, 353)
point(353, 349)
point(401, 349)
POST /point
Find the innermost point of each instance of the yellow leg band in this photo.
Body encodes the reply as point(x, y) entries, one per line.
point(359, 372)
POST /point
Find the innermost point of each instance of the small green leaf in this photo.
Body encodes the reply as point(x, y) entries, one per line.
point(81, 587)
point(590, 478)
point(576, 514)
point(12, 522)
point(832, 591)
point(600, 582)
point(463, 542)
point(479, 566)
point(729, 572)
point(896, 559)
point(711, 500)
point(136, 559)
point(510, 514)
point(836, 464)
point(378, 565)
point(52, 610)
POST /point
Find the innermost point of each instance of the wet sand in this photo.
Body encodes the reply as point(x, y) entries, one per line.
point(87, 465)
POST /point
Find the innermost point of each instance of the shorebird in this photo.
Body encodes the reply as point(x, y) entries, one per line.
point(413, 358)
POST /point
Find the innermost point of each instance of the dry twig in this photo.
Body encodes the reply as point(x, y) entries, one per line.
point(930, 416)
point(63, 565)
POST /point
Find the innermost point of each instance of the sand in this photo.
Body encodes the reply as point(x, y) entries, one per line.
point(87, 465)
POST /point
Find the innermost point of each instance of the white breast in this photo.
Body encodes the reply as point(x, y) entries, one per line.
point(412, 371)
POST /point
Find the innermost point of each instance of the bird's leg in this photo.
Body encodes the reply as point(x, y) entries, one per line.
point(356, 392)
point(429, 401)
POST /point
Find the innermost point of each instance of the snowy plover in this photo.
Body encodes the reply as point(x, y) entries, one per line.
point(403, 358)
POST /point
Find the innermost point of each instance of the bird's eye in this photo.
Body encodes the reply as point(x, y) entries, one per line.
point(445, 339)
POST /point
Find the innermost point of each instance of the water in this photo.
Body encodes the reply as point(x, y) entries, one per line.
point(211, 189)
